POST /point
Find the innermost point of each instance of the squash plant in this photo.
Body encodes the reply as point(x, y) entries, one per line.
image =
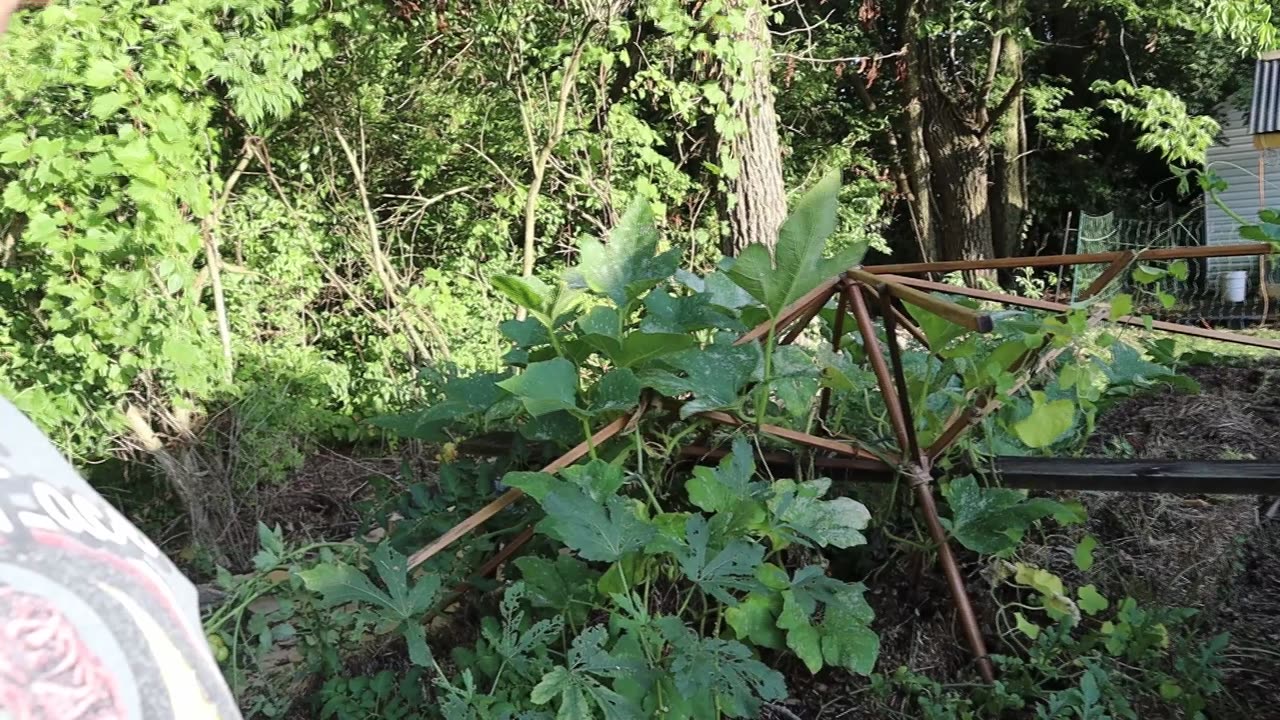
point(653, 590)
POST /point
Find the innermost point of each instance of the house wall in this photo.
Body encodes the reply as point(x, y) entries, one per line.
point(1235, 160)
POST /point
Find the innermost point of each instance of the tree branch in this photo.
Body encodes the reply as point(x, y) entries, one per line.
point(993, 67)
point(541, 157)
point(381, 266)
point(364, 305)
point(213, 259)
point(1005, 103)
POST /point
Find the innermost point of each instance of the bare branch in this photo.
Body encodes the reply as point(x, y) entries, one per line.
point(385, 272)
point(1005, 103)
point(833, 61)
point(213, 259)
point(993, 66)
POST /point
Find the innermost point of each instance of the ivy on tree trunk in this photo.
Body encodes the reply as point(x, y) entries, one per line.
point(759, 200)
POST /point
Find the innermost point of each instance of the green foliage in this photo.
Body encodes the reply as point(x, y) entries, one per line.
point(796, 264)
point(384, 695)
point(1097, 665)
point(993, 520)
point(655, 589)
point(630, 264)
point(1167, 127)
point(341, 584)
point(110, 137)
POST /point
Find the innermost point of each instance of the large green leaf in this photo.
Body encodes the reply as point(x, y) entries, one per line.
point(338, 584)
point(794, 380)
point(713, 375)
point(732, 568)
point(597, 532)
point(834, 523)
point(805, 641)
point(577, 686)
point(721, 488)
point(521, 644)
point(992, 520)
point(846, 639)
point(630, 264)
point(545, 387)
point(666, 313)
point(465, 398)
point(755, 619)
point(600, 329)
point(601, 480)
point(565, 584)
point(618, 390)
point(638, 348)
point(551, 305)
point(537, 485)
point(797, 265)
point(1049, 420)
point(525, 333)
point(722, 668)
point(1129, 369)
point(800, 600)
point(428, 424)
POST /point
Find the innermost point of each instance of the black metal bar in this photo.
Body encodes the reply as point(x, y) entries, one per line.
point(899, 375)
point(1207, 477)
point(1225, 477)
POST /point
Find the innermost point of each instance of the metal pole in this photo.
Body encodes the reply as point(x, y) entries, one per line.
point(837, 336)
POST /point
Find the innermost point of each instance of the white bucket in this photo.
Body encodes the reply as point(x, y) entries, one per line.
point(1234, 284)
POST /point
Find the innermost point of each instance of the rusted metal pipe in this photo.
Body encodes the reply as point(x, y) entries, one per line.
point(871, 346)
point(477, 518)
point(922, 482)
point(1019, 301)
point(960, 315)
point(790, 313)
point(1098, 258)
point(912, 450)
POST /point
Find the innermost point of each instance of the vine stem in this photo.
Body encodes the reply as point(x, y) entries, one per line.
point(762, 400)
point(591, 446)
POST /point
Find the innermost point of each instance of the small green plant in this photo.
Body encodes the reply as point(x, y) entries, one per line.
point(385, 696)
point(1079, 660)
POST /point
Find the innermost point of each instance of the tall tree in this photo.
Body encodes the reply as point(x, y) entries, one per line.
point(1009, 210)
point(758, 201)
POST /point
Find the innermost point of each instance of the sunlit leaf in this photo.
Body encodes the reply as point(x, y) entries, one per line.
point(1049, 420)
point(545, 387)
point(630, 263)
point(796, 264)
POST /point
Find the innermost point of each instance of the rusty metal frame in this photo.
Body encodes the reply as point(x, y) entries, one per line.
point(1032, 303)
point(1098, 258)
point(852, 290)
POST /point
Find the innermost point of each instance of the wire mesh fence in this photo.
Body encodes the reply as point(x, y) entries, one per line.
point(1230, 292)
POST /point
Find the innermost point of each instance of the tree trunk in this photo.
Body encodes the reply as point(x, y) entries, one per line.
point(758, 202)
point(960, 172)
point(915, 155)
point(1010, 203)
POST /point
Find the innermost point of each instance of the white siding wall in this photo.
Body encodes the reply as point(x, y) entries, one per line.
point(1235, 160)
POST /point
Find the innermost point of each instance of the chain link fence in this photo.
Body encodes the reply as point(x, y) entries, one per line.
point(1228, 292)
